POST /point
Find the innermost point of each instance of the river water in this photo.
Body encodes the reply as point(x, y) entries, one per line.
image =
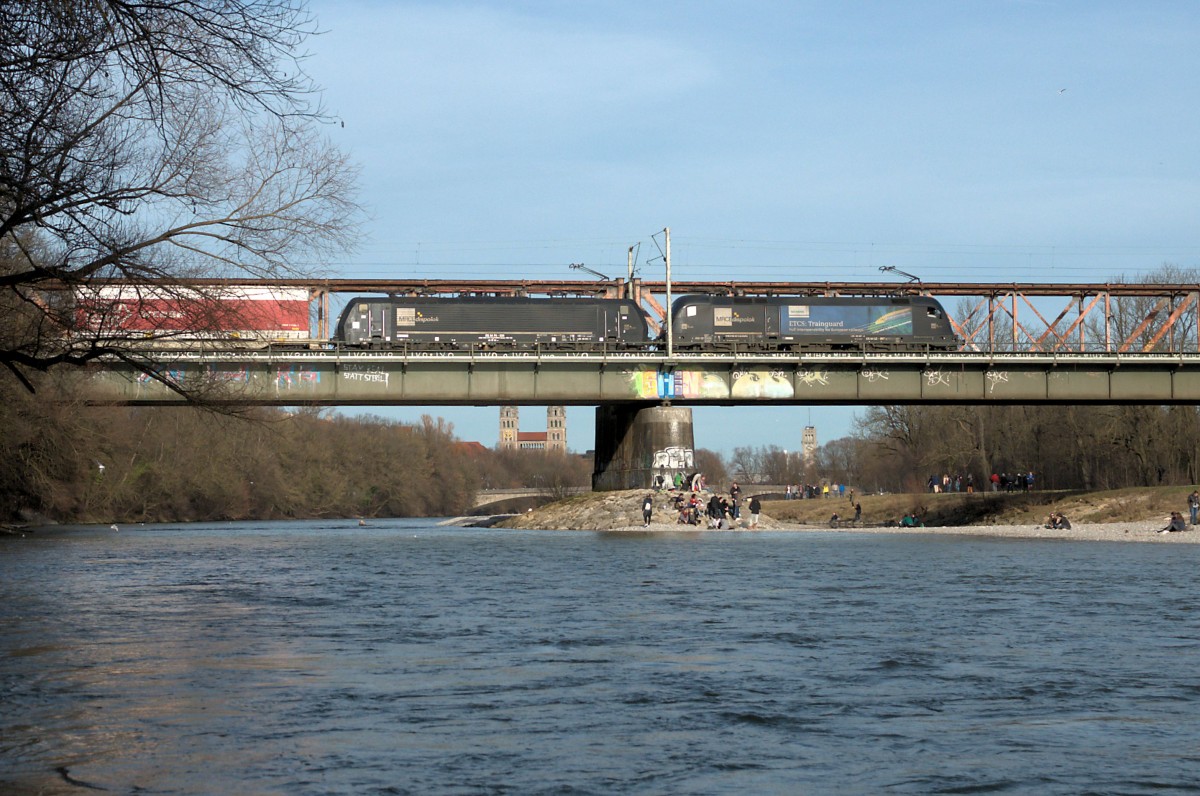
point(325, 658)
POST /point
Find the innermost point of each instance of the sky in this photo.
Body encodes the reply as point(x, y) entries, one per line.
point(1012, 140)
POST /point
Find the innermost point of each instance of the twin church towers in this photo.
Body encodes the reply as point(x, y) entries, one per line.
point(554, 438)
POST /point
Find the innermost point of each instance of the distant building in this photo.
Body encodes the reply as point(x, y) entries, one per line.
point(554, 438)
point(471, 448)
point(531, 440)
point(556, 428)
point(808, 445)
point(509, 427)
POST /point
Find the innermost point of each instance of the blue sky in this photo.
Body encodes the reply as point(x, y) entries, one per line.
point(966, 141)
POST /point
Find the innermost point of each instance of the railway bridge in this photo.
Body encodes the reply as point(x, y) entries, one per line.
point(1026, 344)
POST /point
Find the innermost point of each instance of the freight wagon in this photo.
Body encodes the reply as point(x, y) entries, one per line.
point(181, 317)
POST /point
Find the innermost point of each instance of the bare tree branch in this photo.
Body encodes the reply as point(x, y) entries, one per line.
point(156, 140)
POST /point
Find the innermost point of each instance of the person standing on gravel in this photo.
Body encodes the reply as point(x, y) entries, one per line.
point(647, 509)
point(1194, 505)
point(755, 510)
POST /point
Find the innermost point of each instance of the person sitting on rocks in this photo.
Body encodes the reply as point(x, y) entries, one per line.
point(684, 509)
point(1058, 521)
point(1177, 523)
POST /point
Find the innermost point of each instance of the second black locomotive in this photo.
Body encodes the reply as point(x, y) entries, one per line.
point(810, 323)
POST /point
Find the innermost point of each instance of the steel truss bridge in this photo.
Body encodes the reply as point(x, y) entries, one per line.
point(992, 317)
point(1022, 343)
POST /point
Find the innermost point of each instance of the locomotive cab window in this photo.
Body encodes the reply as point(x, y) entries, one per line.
point(933, 312)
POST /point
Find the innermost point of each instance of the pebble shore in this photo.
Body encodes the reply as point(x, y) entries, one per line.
point(621, 512)
point(1080, 532)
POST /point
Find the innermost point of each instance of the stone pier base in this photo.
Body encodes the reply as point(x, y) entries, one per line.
point(634, 444)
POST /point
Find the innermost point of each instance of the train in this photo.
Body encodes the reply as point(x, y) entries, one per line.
point(259, 317)
point(699, 323)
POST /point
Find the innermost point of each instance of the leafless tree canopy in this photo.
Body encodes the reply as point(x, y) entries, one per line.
point(150, 140)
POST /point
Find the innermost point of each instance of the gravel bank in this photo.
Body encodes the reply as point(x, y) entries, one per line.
point(621, 512)
point(1086, 532)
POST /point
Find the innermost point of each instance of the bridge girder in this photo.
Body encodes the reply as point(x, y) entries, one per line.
point(381, 380)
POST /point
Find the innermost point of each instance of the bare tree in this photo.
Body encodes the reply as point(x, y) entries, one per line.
point(154, 141)
point(747, 464)
point(1152, 323)
point(712, 464)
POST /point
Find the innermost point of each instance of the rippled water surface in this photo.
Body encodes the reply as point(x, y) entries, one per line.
point(313, 658)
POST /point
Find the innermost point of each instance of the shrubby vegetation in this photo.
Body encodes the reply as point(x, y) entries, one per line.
point(1067, 447)
point(73, 463)
point(898, 448)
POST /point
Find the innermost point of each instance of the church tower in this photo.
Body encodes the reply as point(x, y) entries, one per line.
point(509, 425)
point(556, 429)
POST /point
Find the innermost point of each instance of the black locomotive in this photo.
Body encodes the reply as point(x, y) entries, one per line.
point(810, 323)
point(501, 323)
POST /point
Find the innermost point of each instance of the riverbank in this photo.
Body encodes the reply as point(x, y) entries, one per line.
point(621, 512)
point(1090, 532)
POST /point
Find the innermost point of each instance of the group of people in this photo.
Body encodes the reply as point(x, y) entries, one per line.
point(911, 519)
point(1018, 482)
point(693, 481)
point(1176, 523)
point(1000, 482)
point(1058, 520)
point(718, 512)
point(836, 520)
point(951, 483)
point(808, 491)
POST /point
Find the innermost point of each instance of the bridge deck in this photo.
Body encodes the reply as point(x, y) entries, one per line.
point(375, 378)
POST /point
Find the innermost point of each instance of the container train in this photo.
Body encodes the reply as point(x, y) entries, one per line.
point(258, 317)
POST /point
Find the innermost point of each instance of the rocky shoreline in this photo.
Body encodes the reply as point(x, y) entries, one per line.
point(621, 512)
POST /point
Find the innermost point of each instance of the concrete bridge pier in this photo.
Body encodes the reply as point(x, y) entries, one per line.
point(634, 443)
